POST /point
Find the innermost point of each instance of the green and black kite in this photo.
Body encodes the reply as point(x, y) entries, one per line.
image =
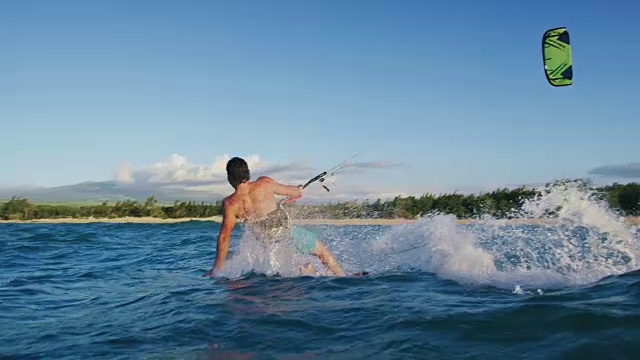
point(556, 53)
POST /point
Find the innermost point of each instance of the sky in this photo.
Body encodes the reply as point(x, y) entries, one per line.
point(434, 96)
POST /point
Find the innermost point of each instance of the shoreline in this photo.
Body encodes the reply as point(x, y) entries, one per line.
point(632, 220)
point(121, 220)
point(217, 219)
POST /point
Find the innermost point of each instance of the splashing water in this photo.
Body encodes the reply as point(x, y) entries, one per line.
point(575, 205)
point(279, 258)
point(564, 237)
point(434, 244)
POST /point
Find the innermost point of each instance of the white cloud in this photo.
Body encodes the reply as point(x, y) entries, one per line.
point(376, 165)
point(178, 176)
point(630, 170)
point(176, 169)
point(124, 174)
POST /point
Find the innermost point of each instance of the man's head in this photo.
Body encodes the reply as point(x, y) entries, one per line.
point(237, 171)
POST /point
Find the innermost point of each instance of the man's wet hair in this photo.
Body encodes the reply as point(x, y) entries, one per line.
point(237, 171)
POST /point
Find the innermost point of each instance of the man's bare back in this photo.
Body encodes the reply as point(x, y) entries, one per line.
point(254, 200)
point(257, 198)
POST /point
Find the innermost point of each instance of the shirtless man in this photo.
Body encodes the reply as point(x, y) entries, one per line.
point(254, 202)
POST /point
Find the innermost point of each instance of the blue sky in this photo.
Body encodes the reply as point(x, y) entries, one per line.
point(455, 90)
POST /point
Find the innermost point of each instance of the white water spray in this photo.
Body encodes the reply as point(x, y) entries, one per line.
point(565, 237)
point(271, 259)
point(562, 238)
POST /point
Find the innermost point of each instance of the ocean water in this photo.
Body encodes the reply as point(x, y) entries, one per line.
point(436, 290)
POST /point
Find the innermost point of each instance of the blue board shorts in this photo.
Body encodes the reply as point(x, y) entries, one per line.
point(303, 239)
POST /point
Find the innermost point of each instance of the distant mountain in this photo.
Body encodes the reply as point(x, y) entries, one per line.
point(94, 191)
point(106, 190)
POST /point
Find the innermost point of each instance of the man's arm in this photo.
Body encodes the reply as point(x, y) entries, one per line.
point(281, 189)
point(224, 238)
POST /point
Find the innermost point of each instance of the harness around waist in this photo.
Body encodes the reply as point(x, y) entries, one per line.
point(275, 226)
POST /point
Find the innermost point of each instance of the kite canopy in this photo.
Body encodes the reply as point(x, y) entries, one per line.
point(556, 53)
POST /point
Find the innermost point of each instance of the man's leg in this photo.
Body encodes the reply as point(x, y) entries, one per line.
point(308, 243)
point(307, 269)
point(327, 258)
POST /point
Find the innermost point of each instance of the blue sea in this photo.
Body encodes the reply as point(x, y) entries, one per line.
point(435, 290)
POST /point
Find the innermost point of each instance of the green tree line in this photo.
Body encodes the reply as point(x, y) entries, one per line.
point(500, 203)
point(23, 209)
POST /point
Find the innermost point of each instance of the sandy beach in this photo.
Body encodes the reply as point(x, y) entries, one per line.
point(633, 220)
point(141, 220)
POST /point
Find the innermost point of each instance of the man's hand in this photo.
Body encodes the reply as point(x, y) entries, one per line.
point(281, 189)
point(224, 237)
point(212, 272)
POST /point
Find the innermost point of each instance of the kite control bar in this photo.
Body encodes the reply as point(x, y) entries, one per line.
point(319, 177)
